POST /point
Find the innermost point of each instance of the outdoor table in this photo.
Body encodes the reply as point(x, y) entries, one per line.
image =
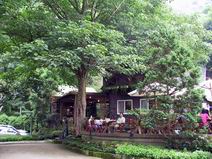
point(107, 125)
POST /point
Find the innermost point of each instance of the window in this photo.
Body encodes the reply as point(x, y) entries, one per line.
point(147, 103)
point(124, 105)
point(144, 104)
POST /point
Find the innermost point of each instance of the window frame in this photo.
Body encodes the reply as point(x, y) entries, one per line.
point(124, 100)
point(145, 99)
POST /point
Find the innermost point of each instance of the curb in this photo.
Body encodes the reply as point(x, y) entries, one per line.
point(25, 142)
point(103, 155)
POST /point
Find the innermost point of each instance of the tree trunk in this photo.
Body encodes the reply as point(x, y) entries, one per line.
point(80, 102)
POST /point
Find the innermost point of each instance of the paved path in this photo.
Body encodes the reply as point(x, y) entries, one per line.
point(38, 151)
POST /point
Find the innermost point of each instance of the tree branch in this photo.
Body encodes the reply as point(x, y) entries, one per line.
point(84, 6)
point(54, 10)
point(75, 5)
point(61, 10)
point(116, 9)
point(93, 10)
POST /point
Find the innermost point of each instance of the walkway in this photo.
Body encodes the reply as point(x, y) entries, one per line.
point(38, 151)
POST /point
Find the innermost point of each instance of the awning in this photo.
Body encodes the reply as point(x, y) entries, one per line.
point(65, 89)
point(156, 89)
point(153, 89)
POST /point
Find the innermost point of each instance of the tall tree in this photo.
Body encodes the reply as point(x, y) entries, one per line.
point(23, 75)
point(80, 37)
point(72, 42)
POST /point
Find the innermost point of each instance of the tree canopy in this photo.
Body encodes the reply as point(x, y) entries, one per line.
point(44, 43)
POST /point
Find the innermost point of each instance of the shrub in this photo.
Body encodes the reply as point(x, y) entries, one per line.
point(47, 133)
point(140, 151)
point(90, 145)
point(19, 122)
point(5, 138)
point(4, 119)
point(159, 153)
point(189, 141)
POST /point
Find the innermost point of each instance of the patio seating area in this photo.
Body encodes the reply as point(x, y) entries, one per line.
point(133, 127)
point(108, 126)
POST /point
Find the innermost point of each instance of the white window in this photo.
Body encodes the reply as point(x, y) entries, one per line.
point(144, 104)
point(124, 105)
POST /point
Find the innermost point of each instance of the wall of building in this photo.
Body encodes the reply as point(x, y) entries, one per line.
point(114, 96)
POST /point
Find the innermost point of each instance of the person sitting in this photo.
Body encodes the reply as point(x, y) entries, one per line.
point(121, 119)
point(98, 124)
point(90, 120)
point(90, 124)
point(119, 123)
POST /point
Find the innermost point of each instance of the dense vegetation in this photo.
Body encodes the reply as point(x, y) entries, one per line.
point(8, 138)
point(158, 153)
point(130, 150)
point(45, 43)
point(19, 122)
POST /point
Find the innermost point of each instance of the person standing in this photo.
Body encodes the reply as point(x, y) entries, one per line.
point(204, 118)
point(65, 127)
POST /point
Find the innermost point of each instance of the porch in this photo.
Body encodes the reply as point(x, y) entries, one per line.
point(126, 137)
point(97, 104)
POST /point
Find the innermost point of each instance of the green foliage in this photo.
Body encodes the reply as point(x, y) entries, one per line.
point(83, 44)
point(146, 119)
point(19, 122)
point(90, 145)
point(47, 133)
point(189, 141)
point(28, 83)
point(7, 138)
point(172, 58)
point(69, 41)
point(173, 49)
point(140, 151)
point(159, 153)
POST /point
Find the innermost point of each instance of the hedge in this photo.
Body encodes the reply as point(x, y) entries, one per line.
point(134, 151)
point(7, 138)
point(90, 145)
point(152, 152)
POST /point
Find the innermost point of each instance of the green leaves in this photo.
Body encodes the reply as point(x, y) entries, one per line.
point(127, 64)
point(159, 153)
point(89, 44)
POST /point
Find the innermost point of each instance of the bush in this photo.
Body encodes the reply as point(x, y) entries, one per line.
point(47, 133)
point(151, 152)
point(6, 138)
point(90, 145)
point(189, 141)
point(140, 151)
point(19, 122)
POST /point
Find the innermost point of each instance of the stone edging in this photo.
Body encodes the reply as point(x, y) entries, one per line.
point(102, 155)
